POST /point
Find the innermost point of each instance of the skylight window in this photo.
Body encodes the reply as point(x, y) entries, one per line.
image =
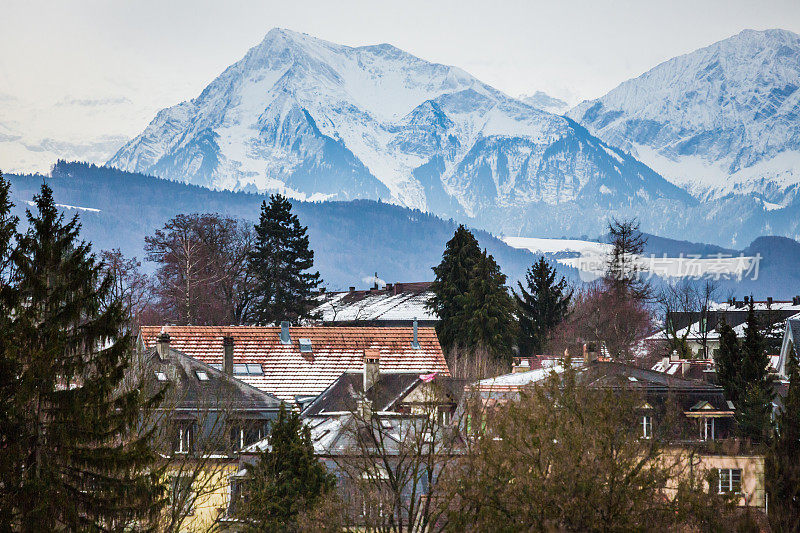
point(247, 369)
point(161, 376)
point(202, 375)
point(240, 368)
point(305, 346)
point(254, 370)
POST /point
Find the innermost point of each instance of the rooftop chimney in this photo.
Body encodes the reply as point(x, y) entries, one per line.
point(163, 345)
point(769, 300)
point(352, 288)
point(286, 338)
point(685, 366)
point(227, 358)
point(372, 369)
point(674, 356)
point(415, 335)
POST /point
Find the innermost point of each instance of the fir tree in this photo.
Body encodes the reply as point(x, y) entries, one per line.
point(783, 459)
point(753, 381)
point(286, 480)
point(81, 461)
point(487, 315)
point(728, 361)
point(280, 265)
point(450, 286)
point(540, 307)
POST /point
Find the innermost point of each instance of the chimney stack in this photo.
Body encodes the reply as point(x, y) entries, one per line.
point(227, 349)
point(286, 338)
point(163, 345)
point(415, 335)
point(352, 288)
point(372, 370)
point(685, 366)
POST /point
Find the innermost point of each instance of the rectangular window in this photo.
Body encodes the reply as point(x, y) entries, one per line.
point(730, 480)
point(184, 437)
point(708, 429)
point(647, 426)
point(181, 494)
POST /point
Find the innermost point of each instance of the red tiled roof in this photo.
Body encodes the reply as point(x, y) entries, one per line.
point(287, 371)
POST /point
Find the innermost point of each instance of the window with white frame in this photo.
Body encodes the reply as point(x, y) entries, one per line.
point(647, 426)
point(184, 436)
point(730, 480)
point(708, 429)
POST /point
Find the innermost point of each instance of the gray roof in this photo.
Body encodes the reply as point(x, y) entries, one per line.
point(342, 396)
point(195, 385)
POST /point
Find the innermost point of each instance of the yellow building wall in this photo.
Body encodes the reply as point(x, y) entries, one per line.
point(212, 486)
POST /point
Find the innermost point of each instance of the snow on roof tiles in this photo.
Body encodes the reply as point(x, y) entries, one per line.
point(289, 372)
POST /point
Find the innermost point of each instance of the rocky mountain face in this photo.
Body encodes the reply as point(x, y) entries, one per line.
point(545, 102)
point(318, 120)
point(722, 120)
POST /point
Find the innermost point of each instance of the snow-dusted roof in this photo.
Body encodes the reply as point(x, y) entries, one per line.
point(402, 302)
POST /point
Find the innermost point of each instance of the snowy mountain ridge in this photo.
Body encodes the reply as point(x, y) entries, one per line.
point(724, 119)
point(318, 120)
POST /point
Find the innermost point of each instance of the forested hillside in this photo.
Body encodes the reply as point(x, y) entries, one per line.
point(351, 240)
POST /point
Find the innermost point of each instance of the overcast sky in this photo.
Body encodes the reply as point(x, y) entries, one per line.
point(149, 54)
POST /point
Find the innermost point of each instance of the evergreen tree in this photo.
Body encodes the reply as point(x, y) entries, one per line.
point(783, 459)
point(286, 480)
point(540, 307)
point(81, 461)
point(10, 419)
point(487, 315)
point(451, 284)
point(623, 274)
point(753, 381)
point(280, 264)
point(728, 361)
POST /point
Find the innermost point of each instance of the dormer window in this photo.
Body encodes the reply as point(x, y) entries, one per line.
point(202, 375)
point(305, 346)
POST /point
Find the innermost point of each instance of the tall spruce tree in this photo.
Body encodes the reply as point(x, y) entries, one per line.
point(10, 414)
point(286, 480)
point(488, 312)
point(728, 361)
point(450, 286)
point(280, 265)
point(783, 459)
point(82, 462)
point(541, 306)
point(753, 381)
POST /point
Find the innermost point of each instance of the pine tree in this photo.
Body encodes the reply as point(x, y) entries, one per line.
point(487, 315)
point(540, 307)
point(783, 459)
point(10, 416)
point(286, 480)
point(280, 265)
point(728, 361)
point(82, 462)
point(623, 274)
point(452, 281)
point(753, 381)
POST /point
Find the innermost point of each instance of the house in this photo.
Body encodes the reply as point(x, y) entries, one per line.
point(791, 341)
point(704, 423)
point(296, 364)
point(700, 329)
point(396, 304)
point(206, 418)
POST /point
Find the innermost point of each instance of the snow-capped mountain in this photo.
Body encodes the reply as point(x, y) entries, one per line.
point(319, 120)
point(545, 102)
point(723, 119)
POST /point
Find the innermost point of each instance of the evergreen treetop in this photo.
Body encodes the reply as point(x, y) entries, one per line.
point(82, 462)
point(286, 480)
point(451, 283)
point(280, 265)
point(541, 305)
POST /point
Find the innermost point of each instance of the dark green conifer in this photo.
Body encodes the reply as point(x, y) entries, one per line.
point(81, 461)
point(728, 361)
point(286, 480)
point(783, 459)
point(488, 313)
point(280, 265)
point(541, 306)
point(754, 383)
point(450, 286)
